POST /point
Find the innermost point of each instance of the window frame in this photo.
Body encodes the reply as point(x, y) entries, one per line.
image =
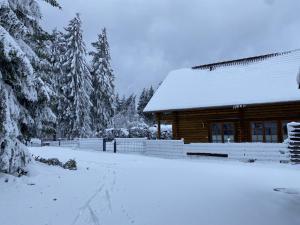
point(252, 131)
point(221, 124)
point(264, 127)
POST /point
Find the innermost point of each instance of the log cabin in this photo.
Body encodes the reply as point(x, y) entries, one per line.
point(244, 100)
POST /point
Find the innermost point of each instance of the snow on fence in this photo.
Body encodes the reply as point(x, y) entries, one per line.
point(109, 146)
point(177, 149)
point(165, 148)
point(82, 143)
point(241, 151)
point(67, 143)
point(130, 145)
point(91, 143)
point(159, 148)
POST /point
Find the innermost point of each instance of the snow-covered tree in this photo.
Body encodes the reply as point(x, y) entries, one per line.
point(143, 101)
point(126, 115)
point(2, 111)
point(24, 70)
point(77, 86)
point(103, 95)
point(53, 3)
point(21, 20)
point(59, 103)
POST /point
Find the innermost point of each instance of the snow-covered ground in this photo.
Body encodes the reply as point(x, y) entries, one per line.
point(115, 189)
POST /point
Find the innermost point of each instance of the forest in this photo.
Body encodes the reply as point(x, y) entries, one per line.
point(51, 87)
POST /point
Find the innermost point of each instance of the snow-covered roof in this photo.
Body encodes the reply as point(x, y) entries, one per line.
point(262, 80)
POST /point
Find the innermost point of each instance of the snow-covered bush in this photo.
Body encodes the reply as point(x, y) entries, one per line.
point(166, 132)
point(141, 131)
point(110, 134)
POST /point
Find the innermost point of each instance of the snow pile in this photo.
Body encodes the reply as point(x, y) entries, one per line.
point(268, 81)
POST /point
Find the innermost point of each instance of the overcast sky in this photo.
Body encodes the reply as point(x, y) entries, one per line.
point(148, 38)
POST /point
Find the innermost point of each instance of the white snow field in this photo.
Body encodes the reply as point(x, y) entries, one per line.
point(116, 189)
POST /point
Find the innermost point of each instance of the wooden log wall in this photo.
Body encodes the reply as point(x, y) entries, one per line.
point(194, 125)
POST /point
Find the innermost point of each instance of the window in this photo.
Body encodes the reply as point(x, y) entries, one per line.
point(216, 133)
point(228, 130)
point(222, 132)
point(271, 134)
point(257, 132)
point(264, 132)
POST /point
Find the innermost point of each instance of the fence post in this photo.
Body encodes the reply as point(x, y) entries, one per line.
point(115, 146)
point(104, 145)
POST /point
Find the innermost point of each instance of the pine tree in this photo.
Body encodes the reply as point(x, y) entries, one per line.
point(103, 84)
point(21, 20)
point(58, 49)
point(76, 83)
point(24, 71)
point(150, 119)
point(43, 115)
point(126, 114)
point(143, 101)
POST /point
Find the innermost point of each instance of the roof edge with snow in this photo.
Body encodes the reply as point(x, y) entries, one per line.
point(265, 79)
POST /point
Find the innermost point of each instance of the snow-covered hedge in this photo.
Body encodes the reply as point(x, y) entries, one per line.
point(112, 133)
point(166, 132)
point(138, 132)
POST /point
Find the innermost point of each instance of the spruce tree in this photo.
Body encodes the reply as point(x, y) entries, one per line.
point(126, 114)
point(59, 103)
point(103, 84)
point(143, 101)
point(76, 83)
point(24, 70)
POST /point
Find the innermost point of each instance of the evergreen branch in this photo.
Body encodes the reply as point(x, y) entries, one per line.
point(54, 3)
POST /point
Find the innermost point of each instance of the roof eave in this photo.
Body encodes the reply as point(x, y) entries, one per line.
point(220, 107)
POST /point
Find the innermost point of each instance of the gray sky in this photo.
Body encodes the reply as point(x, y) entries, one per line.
point(148, 38)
